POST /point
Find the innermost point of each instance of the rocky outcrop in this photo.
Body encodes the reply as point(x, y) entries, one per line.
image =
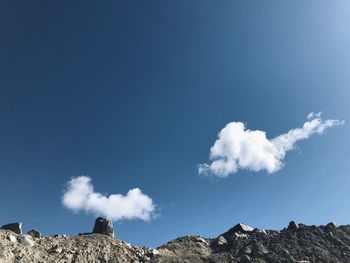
point(296, 243)
point(34, 233)
point(14, 227)
point(292, 225)
point(103, 226)
point(241, 243)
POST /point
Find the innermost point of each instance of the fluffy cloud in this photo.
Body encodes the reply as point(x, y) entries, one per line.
point(80, 196)
point(241, 148)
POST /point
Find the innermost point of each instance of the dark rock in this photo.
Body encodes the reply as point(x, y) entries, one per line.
point(246, 258)
point(33, 233)
point(103, 226)
point(248, 249)
point(237, 229)
point(260, 249)
point(84, 234)
point(332, 224)
point(243, 228)
point(14, 227)
point(292, 225)
point(260, 231)
point(220, 241)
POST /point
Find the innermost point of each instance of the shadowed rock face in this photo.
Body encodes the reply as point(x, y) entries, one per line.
point(103, 226)
point(330, 243)
point(14, 227)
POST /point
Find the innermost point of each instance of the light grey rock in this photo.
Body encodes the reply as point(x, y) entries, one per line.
point(11, 238)
point(26, 240)
point(220, 241)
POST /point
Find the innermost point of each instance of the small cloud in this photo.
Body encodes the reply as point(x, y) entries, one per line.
point(80, 196)
point(313, 115)
point(240, 148)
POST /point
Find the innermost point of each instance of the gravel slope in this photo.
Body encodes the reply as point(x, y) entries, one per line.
point(296, 243)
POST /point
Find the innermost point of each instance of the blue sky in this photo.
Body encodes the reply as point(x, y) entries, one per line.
point(134, 93)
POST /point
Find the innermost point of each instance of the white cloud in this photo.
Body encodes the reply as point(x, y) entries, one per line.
point(241, 148)
point(80, 196)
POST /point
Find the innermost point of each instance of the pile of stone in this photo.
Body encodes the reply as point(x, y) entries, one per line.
point(241, 243)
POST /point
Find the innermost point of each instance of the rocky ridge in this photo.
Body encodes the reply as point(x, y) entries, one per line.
point(241, 243)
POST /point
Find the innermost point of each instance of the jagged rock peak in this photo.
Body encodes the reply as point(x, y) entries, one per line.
point(103, 226)
point(14, 227)
point(239, 228)
point(242, 228)
point(292, 225)
point(332, 224)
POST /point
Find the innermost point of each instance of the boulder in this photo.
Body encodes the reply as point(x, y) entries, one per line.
point(292, 225)
point(237, 229)
point(332, 224)
point(34, 234)
point(55, 249)
point(243, 228)
point(26, 240)
point(260, 232)
point(221, 241)
point(14, 227)
point(11, 238)
point(103, 226)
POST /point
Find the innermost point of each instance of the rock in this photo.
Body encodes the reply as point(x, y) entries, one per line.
point(242, 228)
point(292, 225)
point(59, 236)
point(332, 224)
point(14, 227)
point(26, 240)
point(84, 234)
point(260, 249)
point(199, 239)
point(240, 235)
point(11, 238)
point(246, 258)
point(103, 226)
point(55, 249)
point(220, 241)
point(248, 249)
point(237, 231)
point(260, 231)
point(33, 233)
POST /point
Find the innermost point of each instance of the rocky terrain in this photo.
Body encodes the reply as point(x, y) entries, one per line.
point(241, 243)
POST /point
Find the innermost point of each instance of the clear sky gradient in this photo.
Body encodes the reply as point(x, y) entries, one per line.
point(133, 94)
